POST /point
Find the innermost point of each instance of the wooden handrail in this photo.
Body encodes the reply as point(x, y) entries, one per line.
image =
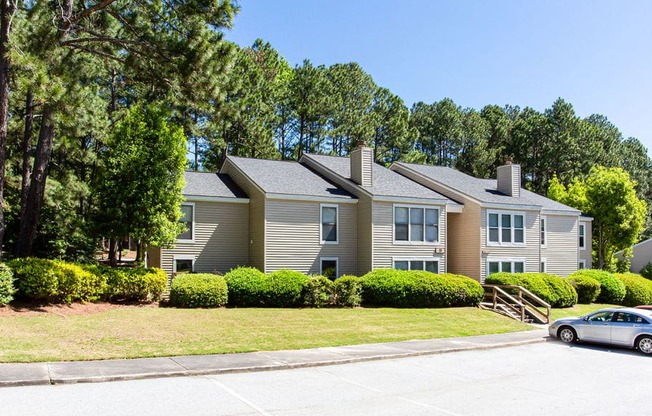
point(519, 304)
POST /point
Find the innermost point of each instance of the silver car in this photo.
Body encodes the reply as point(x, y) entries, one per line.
point(627, 327)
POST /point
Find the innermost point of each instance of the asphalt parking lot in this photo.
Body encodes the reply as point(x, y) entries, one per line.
point(537, 379)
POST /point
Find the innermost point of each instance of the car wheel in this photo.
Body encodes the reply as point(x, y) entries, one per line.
point(567, 334)
point(644, 344)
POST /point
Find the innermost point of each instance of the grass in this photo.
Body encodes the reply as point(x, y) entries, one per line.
point(151, 332)
point(578, 310)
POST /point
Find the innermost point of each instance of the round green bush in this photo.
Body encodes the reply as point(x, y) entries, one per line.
point(347, 291)
point(76, 283)
point(317, 292)
point(285, 288)
point(419, 289)
point(247, 287)
point(638, 289)
point(132, 284)
point(7, 289)
point(612, 289)
point(550, 288)
point(587, 288)
point(198, 291)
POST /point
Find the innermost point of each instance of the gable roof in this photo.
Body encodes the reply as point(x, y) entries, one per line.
point(288, 178)
point(211, 184)
point(386, 183)
point(484, 190)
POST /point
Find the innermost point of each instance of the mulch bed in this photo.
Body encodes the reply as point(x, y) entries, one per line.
point(30, 309)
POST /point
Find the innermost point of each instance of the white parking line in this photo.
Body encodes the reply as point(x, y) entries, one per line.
point(239, 397)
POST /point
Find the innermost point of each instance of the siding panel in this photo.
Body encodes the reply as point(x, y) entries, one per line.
point(365, 235)
point(561, 251)
point(586, 253)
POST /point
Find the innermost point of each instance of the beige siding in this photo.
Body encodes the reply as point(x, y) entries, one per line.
point(293, 237)
point(221, 238)
point(256, 215)
point(464, 241)
point(561, 246)
point(365, 235)
point(384, 247)
point(529, 252)
point(585, 254)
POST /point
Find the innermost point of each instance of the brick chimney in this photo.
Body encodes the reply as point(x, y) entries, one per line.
point(509, 179)
point(362, 159)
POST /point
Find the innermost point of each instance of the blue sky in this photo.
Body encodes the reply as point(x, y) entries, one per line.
point(595, 54)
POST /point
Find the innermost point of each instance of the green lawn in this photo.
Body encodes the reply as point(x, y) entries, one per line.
point(149, 332)
point(578, 310)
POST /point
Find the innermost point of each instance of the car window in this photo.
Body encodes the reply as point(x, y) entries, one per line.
point(601, 317)
point(626, 317)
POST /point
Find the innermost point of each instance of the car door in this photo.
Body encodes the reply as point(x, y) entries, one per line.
point(596, 327)
point(623, 328)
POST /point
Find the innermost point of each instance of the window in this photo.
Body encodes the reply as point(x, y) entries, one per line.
point(582, 232)
point(187, 219)
point(543, 231)
point(183, 264)
point(601, 317)
point(581, 264)
point(505, 265)
point(506, 228)
point(542, 269)
point(412, 224)
point(328, 267)
point(417, 263)
point(329, 224)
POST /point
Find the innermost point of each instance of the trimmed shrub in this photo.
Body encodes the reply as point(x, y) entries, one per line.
point(419, 289)
point(76, 283)
point(247, 287)
point(638, 289)
point(612, 290)
point(587, 288)
point(201, 290)
point(317, 291)
point(347, 291)
point(551, 288)
point(285, 288)
point(646, 271)
point(7, 289)
point(134, 284)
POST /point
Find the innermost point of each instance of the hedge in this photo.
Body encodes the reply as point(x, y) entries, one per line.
point(551, 288)
point(317, 292)
point(134, 284)
point(250, 287)
point(612, 289)
point(419, 289)
point(587, 288)
point(638, 289)
point(200, 290)
point(347, 291)
point(7, 289)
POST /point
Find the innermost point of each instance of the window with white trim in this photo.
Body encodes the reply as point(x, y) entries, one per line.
point(543, 267)
point(543, 223)
point(581, 265)
point(329, 267)
point(416, 224)
point(505, 265)
point(187, 219)
point(329, 217)
point(183, 264)
point(505, 228)
point(428, 264)
point(582, 237)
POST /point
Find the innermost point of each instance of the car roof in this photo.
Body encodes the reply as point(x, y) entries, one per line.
point(643, 312)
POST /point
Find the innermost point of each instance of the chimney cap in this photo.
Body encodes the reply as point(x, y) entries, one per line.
point(360, 144)
point(509, 160)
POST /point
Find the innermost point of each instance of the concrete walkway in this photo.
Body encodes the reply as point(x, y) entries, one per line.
point(195, 365)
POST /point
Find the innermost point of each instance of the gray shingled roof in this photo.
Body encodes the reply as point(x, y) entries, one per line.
point(211, 184)
point(285, 177)
point(484, 190)
point(385, 182)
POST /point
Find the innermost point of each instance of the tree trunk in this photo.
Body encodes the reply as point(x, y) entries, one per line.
point(27, 150)
point(29, 221)
point(112, 257)
point(7, 10)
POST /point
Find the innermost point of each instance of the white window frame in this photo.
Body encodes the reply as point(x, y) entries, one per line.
point(321, 223)
point(337, 265)
point(501, 260)
point(582, 226)
point(543, 230)
point(423, 259)
point(417, 243)
point(500, 242)
point(583, 263)
point(192, 229)
point(544, 263)
point(182, 257)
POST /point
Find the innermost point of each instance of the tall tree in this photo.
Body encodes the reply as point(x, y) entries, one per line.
point(392, 135)
point(440, 127)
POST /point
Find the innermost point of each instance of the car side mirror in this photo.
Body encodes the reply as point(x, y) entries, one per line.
point(586, 318)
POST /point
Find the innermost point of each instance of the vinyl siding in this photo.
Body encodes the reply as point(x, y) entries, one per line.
point(384, 247)
point(561, 247)
point(221, 238)
point(365, 235)
point(464, 241)
point(256, 215)
point(529, 252)
point(293, 237)
point(586, 253)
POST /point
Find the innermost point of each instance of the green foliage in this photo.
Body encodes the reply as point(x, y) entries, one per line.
point(317, 291)
point(76, 283)
point(612, 290)
point(587, 288)
point(646, 271)
point(551, 288)
point(347, 291)
point(198, 291)
point(250, 287)
point(134, 284)
point(285, 288)
point(419, 289)
point(7, 289)
point(638, 289)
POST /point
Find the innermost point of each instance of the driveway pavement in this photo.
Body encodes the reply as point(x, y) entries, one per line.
point(133, 369)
